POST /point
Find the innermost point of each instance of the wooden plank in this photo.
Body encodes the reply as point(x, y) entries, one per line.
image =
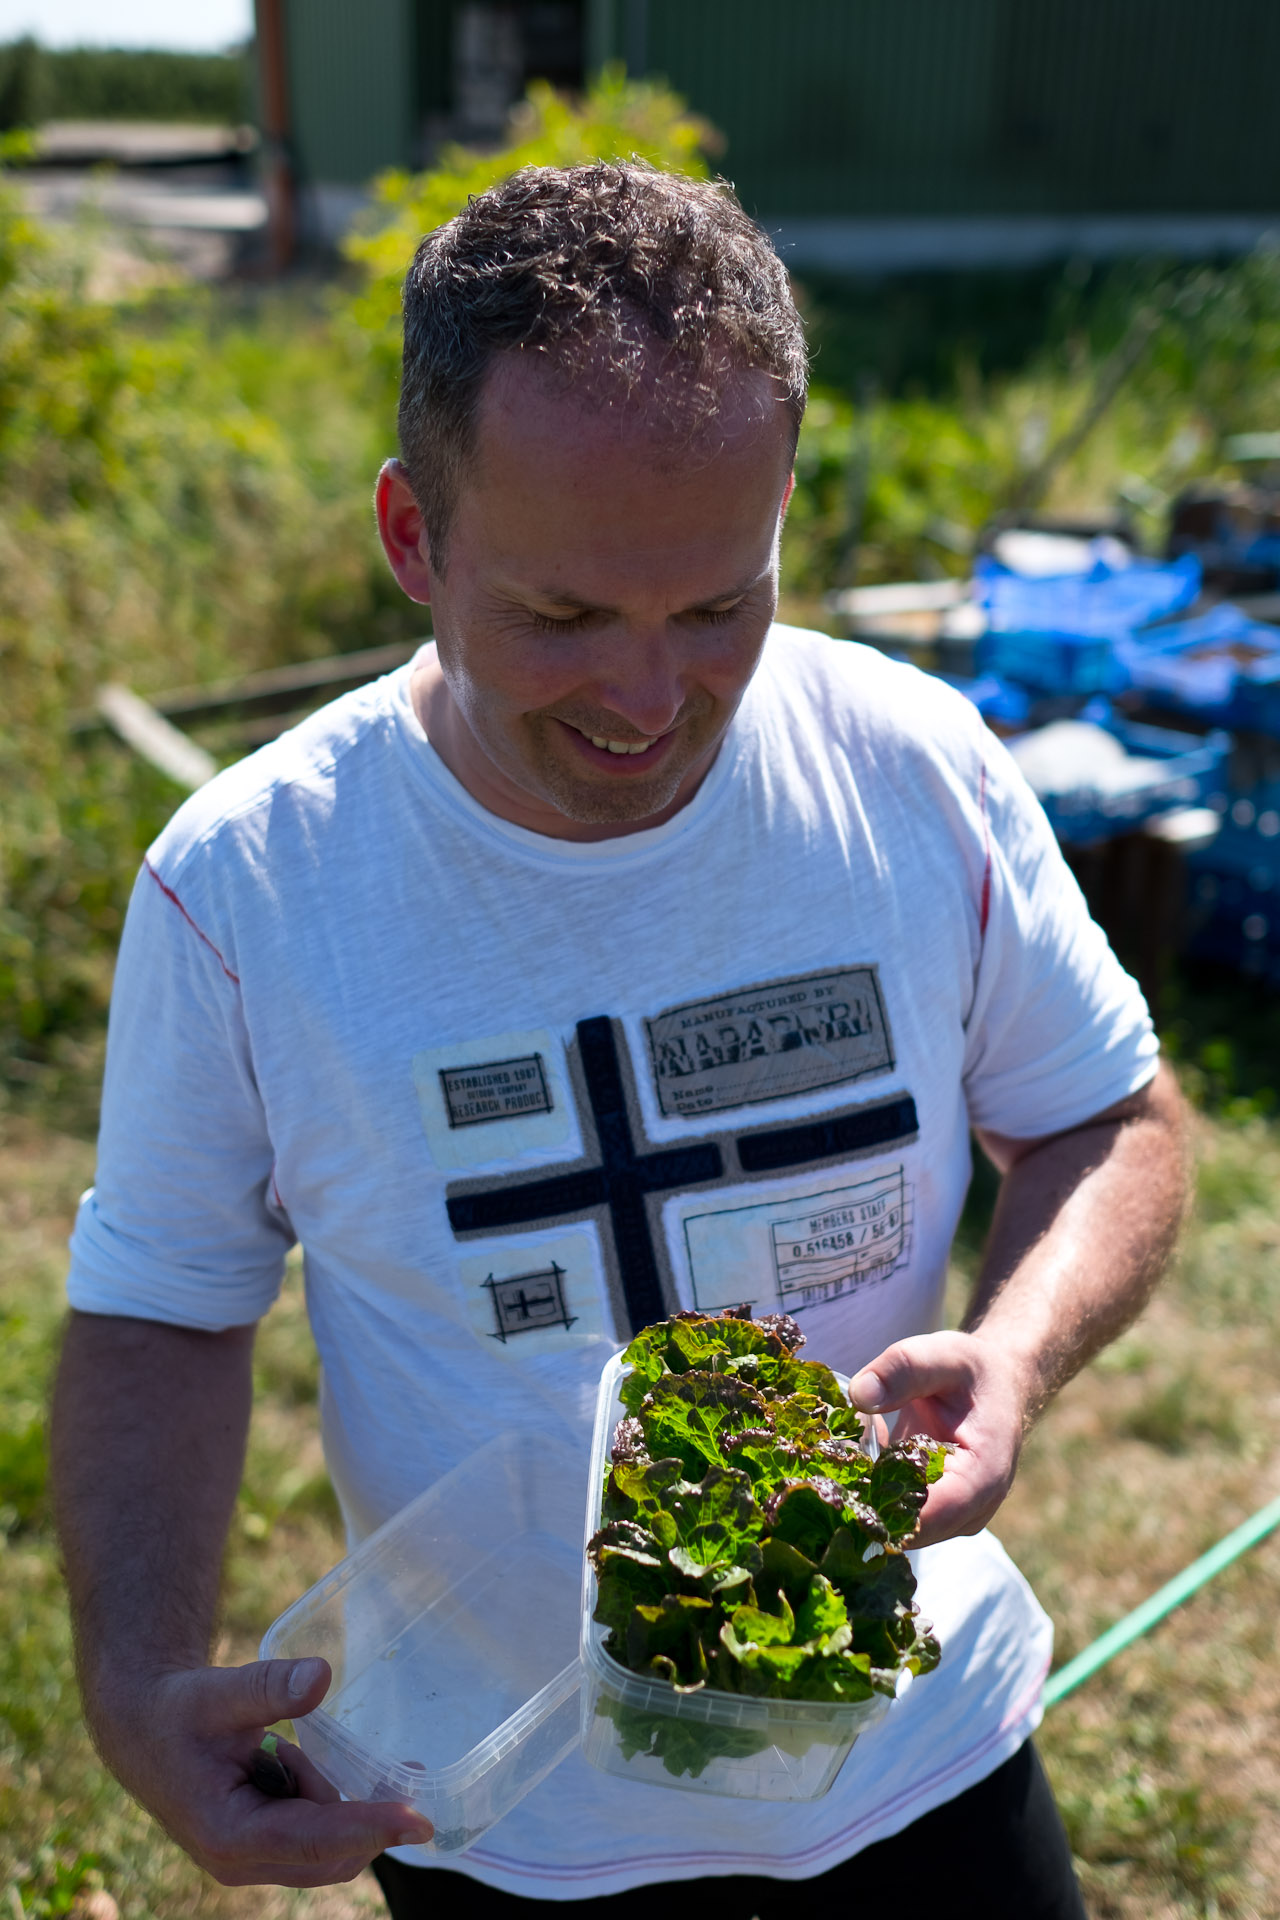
point(159, 742)
point(273, 689)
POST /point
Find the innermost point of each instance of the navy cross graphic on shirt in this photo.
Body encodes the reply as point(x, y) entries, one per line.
point(624, 1178)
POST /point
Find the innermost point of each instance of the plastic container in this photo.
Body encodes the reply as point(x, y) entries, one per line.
point(710, 1741)
point(452, 1633)
point(1190, 770)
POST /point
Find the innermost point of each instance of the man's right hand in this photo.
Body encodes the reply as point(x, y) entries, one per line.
point(184, 1744)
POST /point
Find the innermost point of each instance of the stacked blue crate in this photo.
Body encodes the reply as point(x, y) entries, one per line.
point(1180, 770)
point(1234, 888)
point(1005, 707)
point(1220, 665)
point(1063, 634)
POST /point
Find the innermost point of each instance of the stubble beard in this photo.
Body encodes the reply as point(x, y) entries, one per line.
point(603, 802)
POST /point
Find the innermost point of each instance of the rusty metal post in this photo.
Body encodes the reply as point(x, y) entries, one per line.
point(279, 177)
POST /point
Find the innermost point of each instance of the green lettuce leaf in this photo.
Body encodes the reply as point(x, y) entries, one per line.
point(670, 1630)
point(624, 1582)
point(690, 1415)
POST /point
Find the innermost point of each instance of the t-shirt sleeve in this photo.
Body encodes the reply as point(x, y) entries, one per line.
point(1058, 1030)
point(181, 1225)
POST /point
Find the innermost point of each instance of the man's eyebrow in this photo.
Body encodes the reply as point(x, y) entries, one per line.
point(558, 597)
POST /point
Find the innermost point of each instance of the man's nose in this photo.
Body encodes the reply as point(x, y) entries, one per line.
point(643, 683)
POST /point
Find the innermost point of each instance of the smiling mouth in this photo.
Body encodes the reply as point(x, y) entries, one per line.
point(605, 745)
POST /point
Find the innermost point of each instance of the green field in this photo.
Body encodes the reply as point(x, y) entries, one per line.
point(184, 493)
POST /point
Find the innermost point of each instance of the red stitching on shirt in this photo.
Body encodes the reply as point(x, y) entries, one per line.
point(985, 907)
point(169, 894)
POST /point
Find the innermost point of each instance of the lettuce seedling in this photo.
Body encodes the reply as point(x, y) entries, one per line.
point(750, 1542)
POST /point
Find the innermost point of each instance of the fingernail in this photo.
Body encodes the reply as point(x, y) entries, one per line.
point(414, 1836)
point(303, 1677)
point(867, 1392)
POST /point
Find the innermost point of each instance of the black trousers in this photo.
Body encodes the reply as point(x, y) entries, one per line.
point(996, 1852)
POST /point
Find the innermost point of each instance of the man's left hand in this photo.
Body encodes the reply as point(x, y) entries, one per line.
point(961, 1388)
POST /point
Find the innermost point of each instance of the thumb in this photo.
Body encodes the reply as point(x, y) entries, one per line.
point(918, 1368)
point(257, 1695)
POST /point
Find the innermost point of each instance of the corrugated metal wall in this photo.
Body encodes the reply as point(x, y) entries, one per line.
point(352, 86)
point(865, 107)
point(979, 106)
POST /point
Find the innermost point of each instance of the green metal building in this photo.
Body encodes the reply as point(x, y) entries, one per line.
point(870, 133)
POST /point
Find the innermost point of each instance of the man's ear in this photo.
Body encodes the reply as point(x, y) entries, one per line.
point(786, 497)
point(403, 535)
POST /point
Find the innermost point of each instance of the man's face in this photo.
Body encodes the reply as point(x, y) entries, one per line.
point(604, 603)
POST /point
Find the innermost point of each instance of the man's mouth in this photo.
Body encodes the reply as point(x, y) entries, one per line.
point(604, 745)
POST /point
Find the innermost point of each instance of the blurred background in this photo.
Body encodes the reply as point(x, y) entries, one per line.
point(1038, 251)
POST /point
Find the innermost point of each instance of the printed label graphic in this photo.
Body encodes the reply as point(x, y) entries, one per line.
point(769, 1042)
point(539, 1294)
point(495, 1090)
point(798, 1250)
point(501, 1099)
point(819, 1253)
point(529, 1300)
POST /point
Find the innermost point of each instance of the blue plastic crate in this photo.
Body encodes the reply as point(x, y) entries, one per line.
point(1192, 773)
point(1000, 702)
point(1063, 634)
point(1247, 943)
point(1247, 848)
point(1207, 665)
point(1234, 920)
point(1255, 706)
point(1222, 666)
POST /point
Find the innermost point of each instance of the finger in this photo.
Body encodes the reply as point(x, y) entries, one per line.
point(271, 1873)
point(918, 1369)
point(309, 1781)
point(965, 1498)
point(241, 1699)
point(303, 1833)
point(944, 1517)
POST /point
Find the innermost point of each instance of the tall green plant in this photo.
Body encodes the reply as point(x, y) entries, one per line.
point(182, 495)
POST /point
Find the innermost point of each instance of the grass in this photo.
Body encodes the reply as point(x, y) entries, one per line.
point(65, 1826)
point(1167, 1764)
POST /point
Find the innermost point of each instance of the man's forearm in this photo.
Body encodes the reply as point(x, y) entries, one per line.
point(1084, 1225)
point(149, 1426)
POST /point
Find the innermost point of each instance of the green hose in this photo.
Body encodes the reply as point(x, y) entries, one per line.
point(1171, 1595)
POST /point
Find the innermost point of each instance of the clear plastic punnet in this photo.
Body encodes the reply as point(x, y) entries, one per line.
point(705, 1741)
point(452, 1634)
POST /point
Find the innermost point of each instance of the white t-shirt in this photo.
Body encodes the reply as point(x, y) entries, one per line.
point(511, 1093)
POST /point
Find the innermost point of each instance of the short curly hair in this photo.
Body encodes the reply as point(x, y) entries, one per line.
point(608, 270)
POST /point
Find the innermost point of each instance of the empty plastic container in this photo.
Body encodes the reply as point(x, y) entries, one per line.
point(707, 1741)
point(453, 1636)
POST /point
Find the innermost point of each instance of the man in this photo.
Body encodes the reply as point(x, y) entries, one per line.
point(627, 944)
